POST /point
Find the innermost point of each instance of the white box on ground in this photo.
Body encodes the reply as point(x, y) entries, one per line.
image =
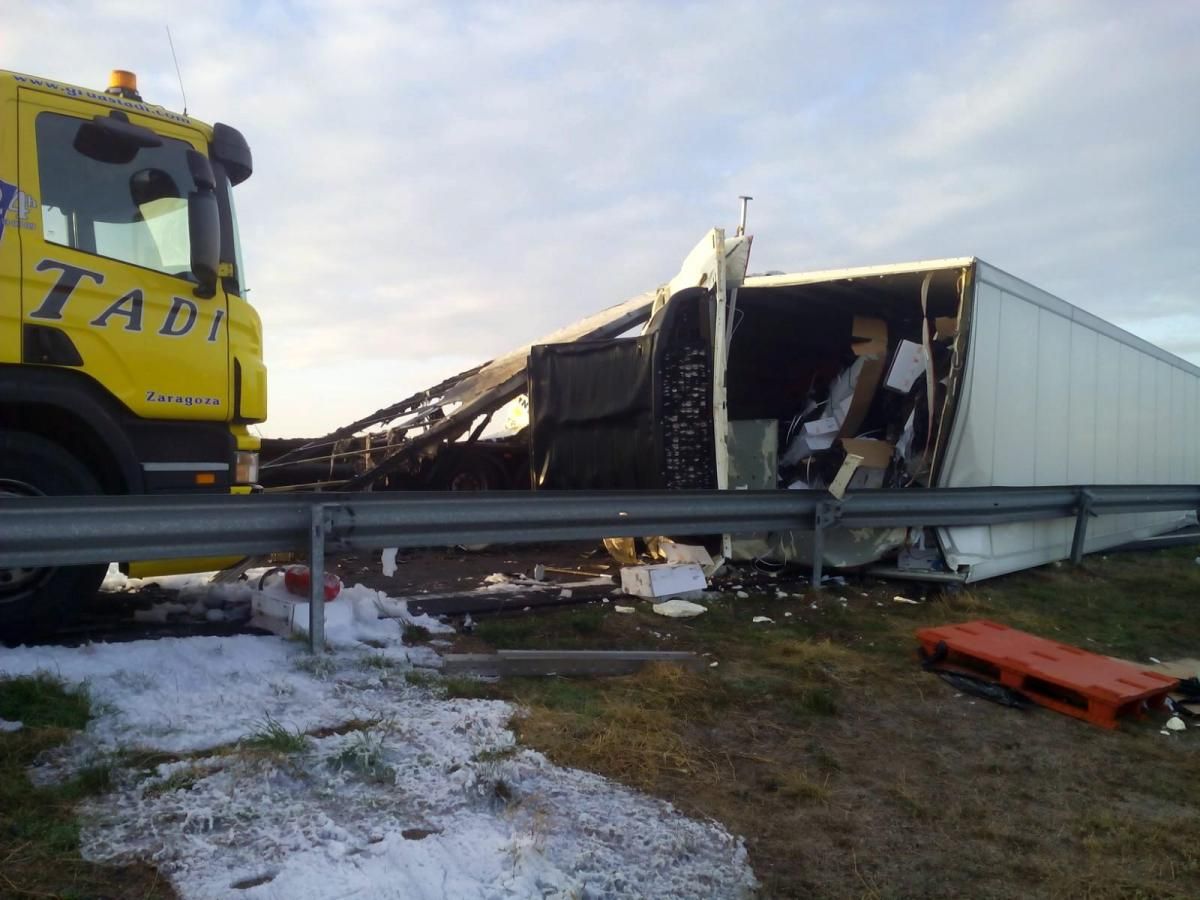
point(667, 580)
point(281, 616)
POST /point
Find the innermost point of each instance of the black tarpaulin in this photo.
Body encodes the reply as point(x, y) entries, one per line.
point(591, 414)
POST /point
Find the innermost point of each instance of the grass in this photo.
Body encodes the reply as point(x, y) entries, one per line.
point(363, 755)
point(275, 737)
point(415, 634)
point(42, 701)
point(318, 666)
point(182, 779)
point(579, 629)
point(379, 662)
point(852, 773)
point(39, 827)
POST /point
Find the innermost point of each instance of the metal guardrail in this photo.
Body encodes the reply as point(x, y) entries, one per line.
point(59, 531)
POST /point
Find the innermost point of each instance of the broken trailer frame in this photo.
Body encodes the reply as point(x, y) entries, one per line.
point(821, 380)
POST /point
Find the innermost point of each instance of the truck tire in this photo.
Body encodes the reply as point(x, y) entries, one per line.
point(33, 601)
point(469, 470)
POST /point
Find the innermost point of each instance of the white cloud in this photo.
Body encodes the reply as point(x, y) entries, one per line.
point(437, 183)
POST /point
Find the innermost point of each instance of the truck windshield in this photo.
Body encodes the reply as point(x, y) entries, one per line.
point(135, 212)
point(225, 194)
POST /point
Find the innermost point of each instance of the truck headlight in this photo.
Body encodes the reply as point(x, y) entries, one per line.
point(245, 467)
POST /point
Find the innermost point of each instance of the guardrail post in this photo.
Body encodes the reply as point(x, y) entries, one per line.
point(316, 575)
point(1083, 511)
point(825, 516)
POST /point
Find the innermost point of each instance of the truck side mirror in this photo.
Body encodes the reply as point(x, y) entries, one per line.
point(204, 225)
point(230, 149)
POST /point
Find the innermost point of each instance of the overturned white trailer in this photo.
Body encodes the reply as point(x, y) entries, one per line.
point(821, 380)
point(946, 373)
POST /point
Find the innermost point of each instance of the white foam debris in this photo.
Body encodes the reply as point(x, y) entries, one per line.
point(676, 608)
point(399, 793)
point(387, 560)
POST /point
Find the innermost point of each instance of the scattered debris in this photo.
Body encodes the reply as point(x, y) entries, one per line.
point(362, 613)
point(666, 580)
point(519, 663)
point(763, 619)
point(977, 686)
point(742, 595)
point(159, 614)
point(679, 609)
point(1186, 697)
point(539, 572)
point(1175, 724)
point(900, 599)
point(8, 727)
point(579, 573)
point(622, 550)
point(298, 582)
point(920, 559)
point(624, 609)
point(684, 553)
point(387, 559)
point(565, 594)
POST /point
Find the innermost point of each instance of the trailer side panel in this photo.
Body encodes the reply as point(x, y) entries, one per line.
point(1054, 395)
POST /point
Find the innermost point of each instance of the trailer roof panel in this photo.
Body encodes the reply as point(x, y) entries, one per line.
point(794, 278)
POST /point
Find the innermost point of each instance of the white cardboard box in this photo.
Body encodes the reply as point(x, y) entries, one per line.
point(907, 366)
point(655, 582)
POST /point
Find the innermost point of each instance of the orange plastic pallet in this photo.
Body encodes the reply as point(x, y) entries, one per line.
point(1097, 689)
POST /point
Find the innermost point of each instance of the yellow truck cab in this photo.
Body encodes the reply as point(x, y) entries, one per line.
point(130, 359)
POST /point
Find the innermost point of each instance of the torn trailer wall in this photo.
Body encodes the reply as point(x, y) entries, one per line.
point(826, 387)
point(435, 439)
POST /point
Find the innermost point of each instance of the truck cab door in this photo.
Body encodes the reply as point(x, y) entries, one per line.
point(106, 282)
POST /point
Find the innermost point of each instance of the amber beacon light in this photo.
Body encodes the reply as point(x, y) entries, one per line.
point(123, 84)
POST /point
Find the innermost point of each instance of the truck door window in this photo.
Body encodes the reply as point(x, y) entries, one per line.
point(135, 211)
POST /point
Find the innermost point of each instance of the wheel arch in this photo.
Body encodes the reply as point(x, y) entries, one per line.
point(69, 409)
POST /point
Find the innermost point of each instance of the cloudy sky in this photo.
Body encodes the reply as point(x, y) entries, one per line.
point(438, 182)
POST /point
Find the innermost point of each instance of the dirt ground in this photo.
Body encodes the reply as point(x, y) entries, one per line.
point(853, 773)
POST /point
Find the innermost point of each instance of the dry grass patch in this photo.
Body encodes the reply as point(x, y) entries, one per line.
point(39, 831)
point(816, 660)
point(634, 729)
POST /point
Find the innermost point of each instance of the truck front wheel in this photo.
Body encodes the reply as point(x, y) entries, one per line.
point(36, 599)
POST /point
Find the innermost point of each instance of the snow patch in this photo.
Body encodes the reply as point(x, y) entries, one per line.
point(399, 794)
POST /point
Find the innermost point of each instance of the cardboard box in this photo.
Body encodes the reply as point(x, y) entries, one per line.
point(945, 328)
point(875, 454)
point(864, 466)
point(667, 580)
point(868, 339)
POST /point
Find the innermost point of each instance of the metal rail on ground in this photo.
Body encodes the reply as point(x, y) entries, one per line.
point(61, 531)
